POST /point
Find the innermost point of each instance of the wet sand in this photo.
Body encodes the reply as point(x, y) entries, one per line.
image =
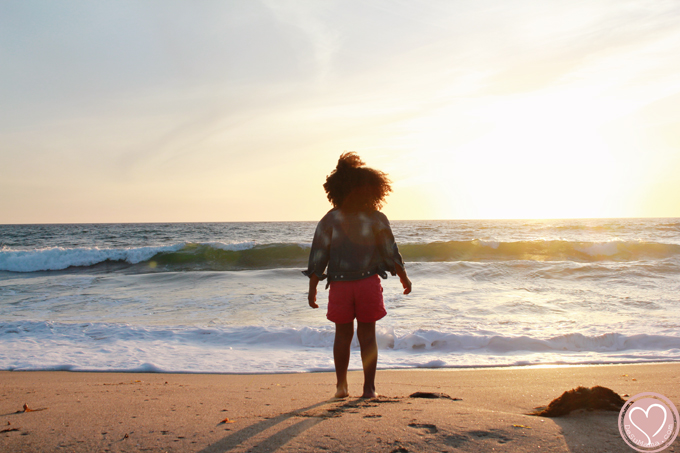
point(88, 412)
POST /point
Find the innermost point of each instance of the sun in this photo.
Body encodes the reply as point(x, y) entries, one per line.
point(535, 155)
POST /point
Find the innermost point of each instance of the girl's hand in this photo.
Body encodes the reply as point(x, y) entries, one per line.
point(311, 297)
point(406, 283)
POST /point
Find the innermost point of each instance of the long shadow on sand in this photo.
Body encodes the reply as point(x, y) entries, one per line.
point(275, 441)
point(592, 432)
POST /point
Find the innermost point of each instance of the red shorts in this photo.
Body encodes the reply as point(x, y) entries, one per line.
point(360, 299)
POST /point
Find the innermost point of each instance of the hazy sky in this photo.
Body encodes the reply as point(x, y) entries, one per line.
point(142, 111)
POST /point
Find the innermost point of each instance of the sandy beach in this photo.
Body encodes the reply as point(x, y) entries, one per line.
point(87, 412)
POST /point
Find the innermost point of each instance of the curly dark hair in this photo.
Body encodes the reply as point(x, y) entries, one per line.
point(353, 187)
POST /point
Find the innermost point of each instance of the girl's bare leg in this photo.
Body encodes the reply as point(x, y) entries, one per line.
point(369, 356)
point(341, 352)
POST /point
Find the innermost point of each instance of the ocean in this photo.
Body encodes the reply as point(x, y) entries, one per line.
point(230, 297)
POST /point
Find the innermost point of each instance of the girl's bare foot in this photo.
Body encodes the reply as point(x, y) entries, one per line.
point(341, 392)
point(369, 392)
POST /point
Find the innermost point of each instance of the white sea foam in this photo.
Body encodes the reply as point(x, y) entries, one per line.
point(231, 246)
point(250, 349)
point(609, 248)
point(57, 258)
point(491, 244)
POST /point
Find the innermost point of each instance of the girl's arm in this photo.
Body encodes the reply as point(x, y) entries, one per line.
point(405, 282)
point(311, 297)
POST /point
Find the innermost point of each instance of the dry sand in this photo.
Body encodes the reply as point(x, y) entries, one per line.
point(91, 412)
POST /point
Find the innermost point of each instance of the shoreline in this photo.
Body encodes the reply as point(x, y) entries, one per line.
point(415, 369)
point(132, 411)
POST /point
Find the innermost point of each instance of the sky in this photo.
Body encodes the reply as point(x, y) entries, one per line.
point(184, 111)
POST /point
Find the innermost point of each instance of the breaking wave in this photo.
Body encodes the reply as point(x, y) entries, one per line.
point(249, 255)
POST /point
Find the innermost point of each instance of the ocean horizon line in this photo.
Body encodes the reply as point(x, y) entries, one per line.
point(470, 219)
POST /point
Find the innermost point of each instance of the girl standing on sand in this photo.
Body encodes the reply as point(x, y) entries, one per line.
point(355, 241)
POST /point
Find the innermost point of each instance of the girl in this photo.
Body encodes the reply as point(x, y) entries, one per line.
point(355, 241)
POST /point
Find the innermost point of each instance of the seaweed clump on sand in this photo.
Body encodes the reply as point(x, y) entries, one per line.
point(595, 398)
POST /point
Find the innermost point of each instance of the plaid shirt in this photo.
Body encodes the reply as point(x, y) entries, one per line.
point(354, 245)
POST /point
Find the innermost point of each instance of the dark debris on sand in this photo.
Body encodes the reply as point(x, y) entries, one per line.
point(595, 398)
point(432, 395)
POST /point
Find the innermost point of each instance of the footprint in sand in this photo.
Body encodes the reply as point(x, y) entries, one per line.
point(493, 434)
point(429, 428)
